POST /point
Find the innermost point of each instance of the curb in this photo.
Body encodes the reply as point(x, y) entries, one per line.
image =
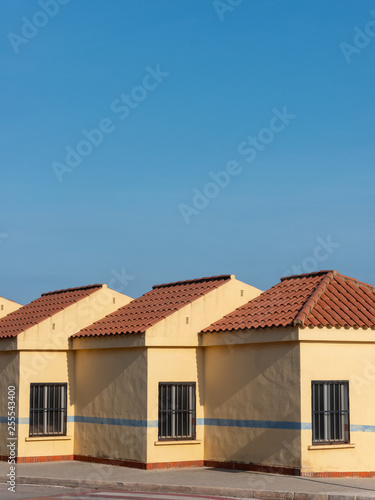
point(182, 489)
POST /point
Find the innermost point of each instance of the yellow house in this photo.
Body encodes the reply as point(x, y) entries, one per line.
point(37, 368)
point(7, 306)
point(199, 372)
point(296, 371)
point(140, 375)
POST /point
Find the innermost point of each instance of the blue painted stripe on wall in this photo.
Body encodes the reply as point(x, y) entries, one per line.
point(270, 424)
point(152, 423)
point(4, 420)
point(258, 424)
point(219, 422)
point(114, 421)
point(362, 428)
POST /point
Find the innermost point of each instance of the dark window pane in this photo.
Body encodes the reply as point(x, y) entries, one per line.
point(47, 409)
point(330, 412)
point(176, 411)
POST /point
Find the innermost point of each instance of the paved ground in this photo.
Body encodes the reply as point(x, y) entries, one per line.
point(125, 495)
point(193, 481)
point(34, 492)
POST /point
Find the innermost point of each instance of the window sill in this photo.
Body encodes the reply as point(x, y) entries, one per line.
point(48, 438)
point(177, 442)
point(330, 446)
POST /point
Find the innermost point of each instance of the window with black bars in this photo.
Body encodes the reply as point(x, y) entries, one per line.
point(177, 410)
point(48, 409)
point(330, 412)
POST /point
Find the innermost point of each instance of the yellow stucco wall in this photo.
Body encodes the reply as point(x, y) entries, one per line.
point(7, 306)
point(45, 367)
point(174, 365)
point(249, 390)
point(111, 384)
point(350, 361)
point(9, 376)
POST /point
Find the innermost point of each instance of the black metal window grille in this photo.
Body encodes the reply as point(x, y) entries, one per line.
point(330, 412)
point(177, 410)
point(48, 409)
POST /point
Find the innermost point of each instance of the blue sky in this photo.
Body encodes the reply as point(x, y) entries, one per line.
point(177, 89)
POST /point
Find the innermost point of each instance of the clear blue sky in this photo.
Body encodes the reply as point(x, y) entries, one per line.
point(181, 87)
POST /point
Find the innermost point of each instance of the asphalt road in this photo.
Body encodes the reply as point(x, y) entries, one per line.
point(24, 491)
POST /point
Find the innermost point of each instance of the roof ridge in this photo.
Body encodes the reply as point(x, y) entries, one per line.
point(196, 280)
point(86, 287)
point(305, 275)
point(314, 297)
point(362, 283)
point(151, 308)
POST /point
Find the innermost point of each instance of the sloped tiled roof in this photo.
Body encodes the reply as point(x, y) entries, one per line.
point(324, 298)
point(41, 309)
point(152, 307)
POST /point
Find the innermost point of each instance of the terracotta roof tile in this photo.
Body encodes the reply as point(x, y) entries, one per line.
point(325, 298)
point(152, 307)
point(41, 309)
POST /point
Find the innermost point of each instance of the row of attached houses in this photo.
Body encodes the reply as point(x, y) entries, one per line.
point(203, 372)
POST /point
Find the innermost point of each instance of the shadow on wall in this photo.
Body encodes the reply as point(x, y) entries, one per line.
point(111, 384)
point(199, 357)
point(70, 361)
point(115, 376)
point(261, 379)
point(269, 447)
